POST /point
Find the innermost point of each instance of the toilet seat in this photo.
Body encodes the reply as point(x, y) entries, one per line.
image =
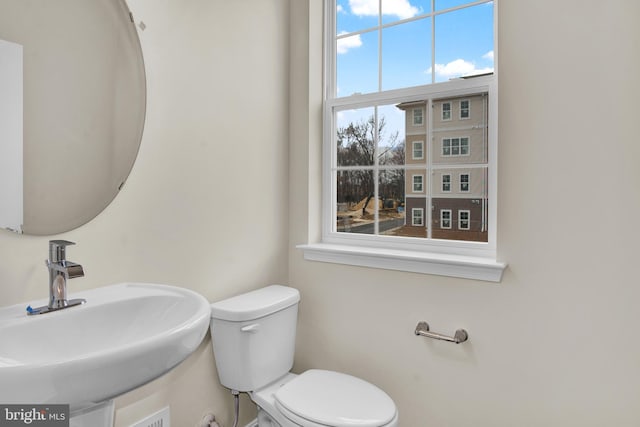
point(325, 398)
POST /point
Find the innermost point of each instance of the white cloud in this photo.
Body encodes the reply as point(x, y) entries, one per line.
point(458, 68)
point(488, 55)
point(339, 8)
point(400, 8)
point(343, 45)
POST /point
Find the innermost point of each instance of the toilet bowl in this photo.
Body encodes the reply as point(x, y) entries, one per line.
point(253, 337)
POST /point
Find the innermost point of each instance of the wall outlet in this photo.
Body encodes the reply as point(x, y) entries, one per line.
point(161, 418)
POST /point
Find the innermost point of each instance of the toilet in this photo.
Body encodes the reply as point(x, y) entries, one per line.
point(253, 337)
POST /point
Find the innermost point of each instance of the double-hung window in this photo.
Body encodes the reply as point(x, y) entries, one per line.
point(410, 96)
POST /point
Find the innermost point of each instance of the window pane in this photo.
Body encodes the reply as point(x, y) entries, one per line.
point(355, 137)
point(355, 202)
point(395, 10)
point(446, 4)
point(357, 64)
point(406, 55)
point(391, 136)
point(391, 191)
point(464, 42)
point(355, 16)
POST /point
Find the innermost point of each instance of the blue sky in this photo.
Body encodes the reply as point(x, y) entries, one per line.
point(463, 43)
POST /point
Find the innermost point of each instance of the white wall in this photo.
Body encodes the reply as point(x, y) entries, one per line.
point(205, 206)
point(553, 344)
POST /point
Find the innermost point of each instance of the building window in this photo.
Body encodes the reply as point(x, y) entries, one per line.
point(417, 216)
point(386, 84)
point(417, 117)
point(446, 111)
point(464, 182)
point(464, 219)
point(418, 150)
point(418, 183)
point(455, 147)
point(465, 109)
point(446, 183)
point(445, 219)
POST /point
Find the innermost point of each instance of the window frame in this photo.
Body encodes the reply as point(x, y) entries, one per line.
point(448, 184)
point(414, 183)
point(460, 220)
point(443, 219)
point(413, 217)
point(468, 175)
point(446, 117)
point(464, 259)
point(468, 109)
point(413, 150)
point(413, 113)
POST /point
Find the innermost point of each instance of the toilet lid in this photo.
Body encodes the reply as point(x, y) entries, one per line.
point(337, 400)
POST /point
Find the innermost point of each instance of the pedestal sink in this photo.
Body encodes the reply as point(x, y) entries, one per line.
point(124, 336)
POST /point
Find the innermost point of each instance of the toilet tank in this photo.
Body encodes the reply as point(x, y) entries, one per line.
point(253, 336)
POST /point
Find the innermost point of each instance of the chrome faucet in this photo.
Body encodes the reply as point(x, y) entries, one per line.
point(60, 271)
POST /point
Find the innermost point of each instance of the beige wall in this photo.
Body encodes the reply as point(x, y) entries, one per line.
point(552, 345)
point(177, 220)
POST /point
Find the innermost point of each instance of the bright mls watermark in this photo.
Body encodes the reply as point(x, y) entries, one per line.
point(34, 415)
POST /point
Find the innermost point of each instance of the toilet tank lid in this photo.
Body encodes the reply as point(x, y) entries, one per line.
point(255, 304)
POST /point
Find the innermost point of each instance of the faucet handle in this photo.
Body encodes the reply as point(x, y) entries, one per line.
point(57, 251)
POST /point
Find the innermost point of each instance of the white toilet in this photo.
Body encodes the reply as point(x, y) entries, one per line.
point(253, 342)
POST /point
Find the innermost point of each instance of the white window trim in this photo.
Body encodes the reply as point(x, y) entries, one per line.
point(442, 211)
point(413, 183)
point(468, 190)
point(450, 139)
point(468, 109)
point(468, 212)
point(442, 110)
point(413, 114)
point(469, 260)
point(442, 180)
point(413, 222)
point(413, 150)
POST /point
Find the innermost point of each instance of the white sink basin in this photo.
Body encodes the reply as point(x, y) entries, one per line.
point(124, 336)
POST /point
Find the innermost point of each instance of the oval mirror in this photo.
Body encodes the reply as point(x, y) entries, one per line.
point(72, 108)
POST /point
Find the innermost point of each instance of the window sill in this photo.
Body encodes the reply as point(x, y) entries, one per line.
point(467, 267)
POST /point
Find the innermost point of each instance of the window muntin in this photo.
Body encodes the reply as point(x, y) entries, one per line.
point(469, 147)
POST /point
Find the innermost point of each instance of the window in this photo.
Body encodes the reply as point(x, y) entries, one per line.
point(446, 183)
point(464, 182)
point(464, 218)
point(445, 218)
point(396, 82)
point(418, 186)
point(446, 111)
point(455, 146)
point(464, 109)
point(417, 216)
point(417, 117)
point(418, 150)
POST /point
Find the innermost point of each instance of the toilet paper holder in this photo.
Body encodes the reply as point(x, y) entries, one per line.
point(422, 329)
